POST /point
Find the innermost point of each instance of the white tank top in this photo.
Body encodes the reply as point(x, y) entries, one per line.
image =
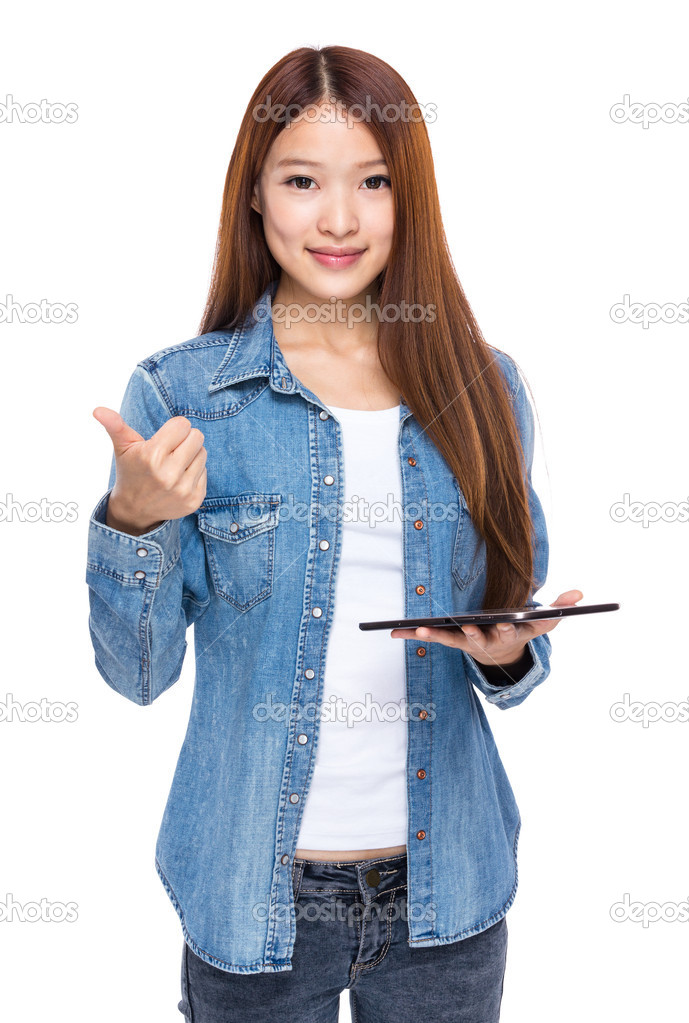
point(358, 793)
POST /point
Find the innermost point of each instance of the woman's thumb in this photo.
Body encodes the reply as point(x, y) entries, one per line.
point(120, 433)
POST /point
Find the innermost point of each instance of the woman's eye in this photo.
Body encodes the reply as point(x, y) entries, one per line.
point(377, 177)
point(290, 180)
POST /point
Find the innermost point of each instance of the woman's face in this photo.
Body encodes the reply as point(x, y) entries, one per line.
point(312, 195)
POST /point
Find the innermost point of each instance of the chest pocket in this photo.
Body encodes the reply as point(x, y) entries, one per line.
point(469, 555)
point(239, 537)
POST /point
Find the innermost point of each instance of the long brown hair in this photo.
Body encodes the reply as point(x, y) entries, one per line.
point(444, 369)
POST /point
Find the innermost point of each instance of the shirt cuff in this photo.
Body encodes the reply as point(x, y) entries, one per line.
point(508, 674)
point(138, 560)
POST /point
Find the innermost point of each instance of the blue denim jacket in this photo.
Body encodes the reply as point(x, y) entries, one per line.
point(251, 571)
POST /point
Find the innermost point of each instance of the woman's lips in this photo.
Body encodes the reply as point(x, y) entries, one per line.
point(336, 262)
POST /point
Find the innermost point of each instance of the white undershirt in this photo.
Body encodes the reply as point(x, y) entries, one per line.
point(358, 793)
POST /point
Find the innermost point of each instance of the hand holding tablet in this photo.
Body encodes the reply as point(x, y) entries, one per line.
point(491, 637)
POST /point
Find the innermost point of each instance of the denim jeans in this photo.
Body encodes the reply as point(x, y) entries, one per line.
point(351, 934)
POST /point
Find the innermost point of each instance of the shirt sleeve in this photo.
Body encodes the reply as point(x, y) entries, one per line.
point(144, 591)
point(513, 688)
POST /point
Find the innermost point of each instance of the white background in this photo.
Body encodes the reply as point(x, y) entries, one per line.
point(553, 212)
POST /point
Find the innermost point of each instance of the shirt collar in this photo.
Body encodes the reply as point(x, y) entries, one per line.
point(253, 351)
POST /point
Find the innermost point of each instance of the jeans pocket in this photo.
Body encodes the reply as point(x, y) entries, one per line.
point(239, 538)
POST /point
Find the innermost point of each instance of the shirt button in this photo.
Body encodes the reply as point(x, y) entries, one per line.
point(324, 544)
point(301, 739)
point(418, 524)
point(328, 480)
point(284, 858)
point(309, 672)
point(423, 713)
point(233, 527)
point(421, 651)
point(323, 415)
point(372, 877)
point(412, 461)
point(317, 612)
point(139, 575)
point(420, 834)
point(294, 798)
point(421, 773)
point(142, 552)
point(420, 590)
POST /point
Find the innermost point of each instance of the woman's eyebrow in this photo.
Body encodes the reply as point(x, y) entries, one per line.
point(288, 161)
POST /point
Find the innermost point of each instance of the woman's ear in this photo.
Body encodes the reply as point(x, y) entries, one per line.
point(256, 199)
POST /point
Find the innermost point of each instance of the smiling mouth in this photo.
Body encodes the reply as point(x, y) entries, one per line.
point(337, 254)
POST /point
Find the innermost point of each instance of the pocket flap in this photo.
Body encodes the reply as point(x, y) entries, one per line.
point(238, 518)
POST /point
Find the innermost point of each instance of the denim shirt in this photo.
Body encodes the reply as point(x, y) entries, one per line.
point(254, 570)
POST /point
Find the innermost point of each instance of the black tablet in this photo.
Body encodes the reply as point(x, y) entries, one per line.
point(503, 614)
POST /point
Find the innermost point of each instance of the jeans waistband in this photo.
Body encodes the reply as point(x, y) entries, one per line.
point(368, 878)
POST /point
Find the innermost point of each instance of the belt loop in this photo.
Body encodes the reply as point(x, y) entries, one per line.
point(297, 873)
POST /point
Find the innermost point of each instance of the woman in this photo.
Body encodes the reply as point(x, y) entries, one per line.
point(338, 366)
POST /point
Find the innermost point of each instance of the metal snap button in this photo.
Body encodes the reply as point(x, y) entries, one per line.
point(372, 877)
point(324, 545)
point(301, 739)
point(234, 527)
point(141, 551)
point(309, 672)
point(317, 612)
point(139, 575)
point(323, 415)
point(294, 798)
point(328, 480)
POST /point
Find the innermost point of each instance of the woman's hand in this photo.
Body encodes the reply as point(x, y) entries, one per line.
point(501, 644)
point(157, 479)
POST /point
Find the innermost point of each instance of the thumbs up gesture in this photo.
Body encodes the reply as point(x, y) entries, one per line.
point(157, 479)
